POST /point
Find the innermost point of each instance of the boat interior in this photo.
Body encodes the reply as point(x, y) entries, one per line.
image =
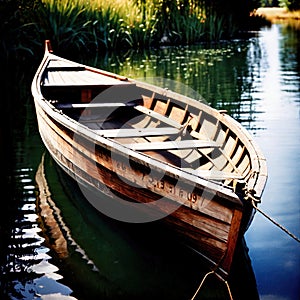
point(161, 127)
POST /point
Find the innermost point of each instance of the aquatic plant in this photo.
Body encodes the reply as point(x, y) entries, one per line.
point(141, 29)
point(214, 26)
point(187, 29)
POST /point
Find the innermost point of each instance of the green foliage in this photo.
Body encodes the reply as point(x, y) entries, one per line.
point(186, 27)
point(141, 26)
point(67, 24)
point(101, 25)
point(269, 3)
point(15, 28)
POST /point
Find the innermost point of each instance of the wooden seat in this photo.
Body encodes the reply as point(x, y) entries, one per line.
point(137, 132)
point(93, 105)
point(173, 145)
point(158, 116)
point(214, 174)
point(66, 68)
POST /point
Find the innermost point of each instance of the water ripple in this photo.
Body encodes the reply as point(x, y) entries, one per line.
point(28, 270)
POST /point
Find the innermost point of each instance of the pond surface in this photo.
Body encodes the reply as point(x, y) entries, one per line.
point(258, 82)
point(275, 256)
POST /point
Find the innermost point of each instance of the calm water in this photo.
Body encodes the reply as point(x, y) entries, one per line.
point(258, 82)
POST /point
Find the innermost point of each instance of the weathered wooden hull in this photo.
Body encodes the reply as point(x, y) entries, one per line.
point(210, 216)
point(211, 236)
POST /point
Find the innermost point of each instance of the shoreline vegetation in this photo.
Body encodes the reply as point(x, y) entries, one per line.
point(281, 15)
point(275, 14)
point(81, 27)
point(113, 25)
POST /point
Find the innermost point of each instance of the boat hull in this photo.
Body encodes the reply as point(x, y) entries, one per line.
point(164, 157)
point(202, 219)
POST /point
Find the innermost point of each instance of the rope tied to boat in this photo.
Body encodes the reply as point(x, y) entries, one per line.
point(203, 280)
point(250, 197)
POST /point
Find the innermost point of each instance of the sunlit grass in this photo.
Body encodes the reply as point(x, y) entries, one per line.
point(124, 24)
point(280, 15)
point(100, 25)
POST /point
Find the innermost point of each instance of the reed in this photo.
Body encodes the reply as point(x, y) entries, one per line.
point(187, 29)
point(96, 24)
point(214, 26)
point(65, 23)
point(101, 25)
point(141, 26)
point(132, 24)
point(15, 29)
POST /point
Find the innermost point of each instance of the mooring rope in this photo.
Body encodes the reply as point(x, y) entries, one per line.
point(203, 280)
point(254, 200)
point(200, 285)
point(276, 223)
point(228, 288)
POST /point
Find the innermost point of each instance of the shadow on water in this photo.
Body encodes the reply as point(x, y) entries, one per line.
point(125, 261)
point(28, 270)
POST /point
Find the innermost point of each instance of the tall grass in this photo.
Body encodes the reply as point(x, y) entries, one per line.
point(116, 24)
point(187, 28)
point(16, 28)
point(65, 23)
point(141, 29)
point(214, 26)
point(96, 24)
point(101, 25)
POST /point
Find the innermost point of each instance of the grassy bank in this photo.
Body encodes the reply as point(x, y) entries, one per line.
point(279, 15)
point(101, 25)
point(105, 25)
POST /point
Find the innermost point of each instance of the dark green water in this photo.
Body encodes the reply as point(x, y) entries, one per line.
point(257, 82)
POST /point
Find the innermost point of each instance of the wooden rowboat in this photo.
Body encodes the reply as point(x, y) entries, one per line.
point(155, 153)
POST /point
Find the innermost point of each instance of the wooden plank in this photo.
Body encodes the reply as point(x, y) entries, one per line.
point(66, 68)
point(232, 238)
point(136, 132)
point(214, 174)
point(158, 116)
point(178, 114)
point(58, 63)
point(63, 76)
point(92, 105)
point(173, 145)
